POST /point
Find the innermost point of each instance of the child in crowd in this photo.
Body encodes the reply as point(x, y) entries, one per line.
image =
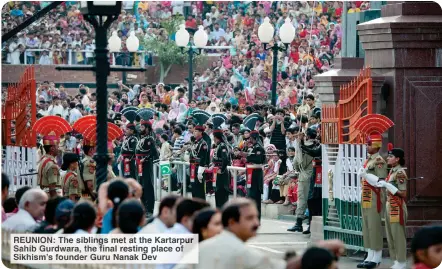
point(426, 248)
point(270, 175)
point(286, 179)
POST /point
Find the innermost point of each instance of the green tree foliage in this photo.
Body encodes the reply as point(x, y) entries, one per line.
point(165, 50)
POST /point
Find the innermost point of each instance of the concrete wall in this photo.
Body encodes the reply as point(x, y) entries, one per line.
point(12, 74)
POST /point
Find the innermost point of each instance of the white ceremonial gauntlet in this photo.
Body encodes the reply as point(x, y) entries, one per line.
point(200, 172)
point(390, 187)
point(371, 179)
point(362, 172)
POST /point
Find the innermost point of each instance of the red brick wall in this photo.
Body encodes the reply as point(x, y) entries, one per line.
point(12, 73)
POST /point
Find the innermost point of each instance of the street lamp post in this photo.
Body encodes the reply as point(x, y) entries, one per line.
point(200, 39)
point(132, 45)
point(100, 15)
point(265, 33)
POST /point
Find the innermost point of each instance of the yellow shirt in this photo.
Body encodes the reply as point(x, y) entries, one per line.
point(353, 10)
point(318, 9)
point(144, 5)
point(147, 105)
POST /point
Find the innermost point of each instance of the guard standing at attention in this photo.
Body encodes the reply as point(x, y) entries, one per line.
point(199, 155)
point(256, 159)
point(129, 144)
point(221, 159)
point(87, 168)
point(48, 173)
point(372, 201)
point(146, 154)
point(396, 208)
point(71, 182)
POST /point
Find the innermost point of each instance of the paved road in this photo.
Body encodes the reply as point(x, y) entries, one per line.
point(274, 240)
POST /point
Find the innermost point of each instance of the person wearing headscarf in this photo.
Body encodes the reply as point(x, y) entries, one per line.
point(159, 120)
point(212, 108)
point(174, 111)
point(182, 113)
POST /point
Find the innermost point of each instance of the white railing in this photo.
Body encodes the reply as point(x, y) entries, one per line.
point(71, 53)
point(20, 165)
point(115, 55)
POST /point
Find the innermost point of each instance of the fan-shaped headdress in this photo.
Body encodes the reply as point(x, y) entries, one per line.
point(250, 123)
point(145, 115)
point(51, 127)
point(372, 127)
point(130, 113)
point(200, 117)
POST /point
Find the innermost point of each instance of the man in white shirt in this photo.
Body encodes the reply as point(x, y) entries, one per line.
point(32, 207)
point(56, 107)
point(185, 211)
point(207, 21)
point(166, 216)
point(75, 112)
point(228, 249)
point(217, 32)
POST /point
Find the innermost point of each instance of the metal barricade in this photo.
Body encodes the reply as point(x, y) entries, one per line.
point(158, 178)
point(183, 165)
point(234, 170)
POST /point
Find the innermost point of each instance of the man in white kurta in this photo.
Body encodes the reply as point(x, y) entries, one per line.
point(228, 249)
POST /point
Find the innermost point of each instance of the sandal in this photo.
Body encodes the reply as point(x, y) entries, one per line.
point(280, 202)
point(268, 202)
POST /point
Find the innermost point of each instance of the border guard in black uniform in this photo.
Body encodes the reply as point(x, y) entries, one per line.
point(221, 159)
point(199, 155)
point(146, 154)
point(256, 158)
point(129, 144)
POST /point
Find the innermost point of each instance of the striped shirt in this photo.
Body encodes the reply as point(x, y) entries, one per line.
point(179, 142)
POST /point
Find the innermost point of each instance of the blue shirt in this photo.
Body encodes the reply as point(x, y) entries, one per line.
point(107, 222)
point(261, 56)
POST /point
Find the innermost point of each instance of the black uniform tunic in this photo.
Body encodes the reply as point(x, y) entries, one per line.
point(200, 155)
point(146, 154)
point(128, 153)
point(221, 159)
point(257, 156)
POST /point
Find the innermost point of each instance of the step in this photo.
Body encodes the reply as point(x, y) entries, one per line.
point(287, 217)
point(272, 211)
point(333, 216)
point(333, 223)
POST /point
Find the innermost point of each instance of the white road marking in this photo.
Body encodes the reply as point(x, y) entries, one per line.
point(267, 249)
point(278, 243)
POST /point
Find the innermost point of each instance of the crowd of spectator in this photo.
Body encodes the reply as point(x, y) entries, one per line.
point(121, 212)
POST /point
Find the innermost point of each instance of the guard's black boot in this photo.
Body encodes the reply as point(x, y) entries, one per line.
point(371, 265)
point(297, 227)
point(362, 264)
point(307, 231)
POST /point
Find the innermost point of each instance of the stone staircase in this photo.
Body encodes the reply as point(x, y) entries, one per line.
point(333, 217)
